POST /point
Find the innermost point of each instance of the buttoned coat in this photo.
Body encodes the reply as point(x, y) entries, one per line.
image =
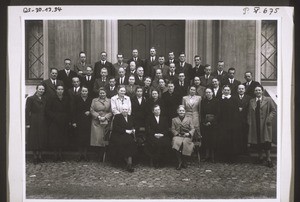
point(67, 79)
point(98, 66)
point(117, 104)
point(206, 82)
point(267, 113)
point(186, 126)
point(193, 110)
point(250, 88)
point(35, 117)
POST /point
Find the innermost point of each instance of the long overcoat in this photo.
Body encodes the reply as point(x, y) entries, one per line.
point(267, 113)
point(35, 117)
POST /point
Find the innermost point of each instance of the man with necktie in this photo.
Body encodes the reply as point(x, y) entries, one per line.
point(66, 75)
point(262, 111)
point(206, 79)
point(220, 73)
point(231, 81)
point(102, 81)
point(51, 83)
point(120, 63)
point(150, 62)
point(171, 59)
point(88, 80)
point(135, 57)
point(103, 63)
point(198, 70)
point(161, 65)
point(250, 84)
point(184, 66)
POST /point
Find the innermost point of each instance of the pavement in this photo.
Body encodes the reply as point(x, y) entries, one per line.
point(98, 180)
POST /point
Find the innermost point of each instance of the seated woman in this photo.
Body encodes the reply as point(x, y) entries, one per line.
point(158, 141)
point(183, 131)
point(122, 139)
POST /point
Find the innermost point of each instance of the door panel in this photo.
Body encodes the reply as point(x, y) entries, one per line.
point(164, 35)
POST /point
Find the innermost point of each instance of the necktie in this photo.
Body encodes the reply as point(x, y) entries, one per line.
point(68, 71)
point(54, 83)
point(181, 83)
point(152, 58)
point(134, 59)
point(161, 66)
point(111, 88)
point(181, 64)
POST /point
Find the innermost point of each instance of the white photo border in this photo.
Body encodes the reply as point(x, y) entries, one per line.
point(16, 77)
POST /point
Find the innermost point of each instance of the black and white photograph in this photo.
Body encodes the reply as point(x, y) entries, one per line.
point(135, 103)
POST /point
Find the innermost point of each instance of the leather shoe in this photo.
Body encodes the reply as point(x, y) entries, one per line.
point(179, 166)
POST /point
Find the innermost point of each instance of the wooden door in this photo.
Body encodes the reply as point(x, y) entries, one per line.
point(164, 35)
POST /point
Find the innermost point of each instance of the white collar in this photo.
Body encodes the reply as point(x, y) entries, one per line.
point(228, 96)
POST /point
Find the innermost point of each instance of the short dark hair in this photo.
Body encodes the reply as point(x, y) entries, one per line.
point(53, 68)
point(67, 59)
point(231, 69)
point(197, 56)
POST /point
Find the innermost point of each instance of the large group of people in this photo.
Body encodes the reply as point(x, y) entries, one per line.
point(153, 104)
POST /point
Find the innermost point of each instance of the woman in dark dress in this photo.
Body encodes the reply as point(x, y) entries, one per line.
point(58, 116)
point(82, 122)
point(158, 140)
point(122, 141)
point(209, 122)
point(36, 123)
point(138, 107)
point(228, 141)
point(154, 100)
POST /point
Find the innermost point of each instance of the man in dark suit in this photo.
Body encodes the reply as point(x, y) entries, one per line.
point(111, 89)
point(150, 62)
point(74, 91)
point(184, 66)
point(120, 63)
point(171, 75)
point(250, 84)
point(198, 70)
point(172, 60)
point(242, 126)
point(172, 100)
point(102, 81)
point(132, 69)
point(231, 81)
point(216, 89)
point(220, 73)
point(121, 78)
point(161, 65)
point(139, 78)
point(135, 57)
point(103, 63)
point(181, 87)
point(88, 80)
point(51, 83)
point(81, 65)
point(66, 75)
point(206, 79)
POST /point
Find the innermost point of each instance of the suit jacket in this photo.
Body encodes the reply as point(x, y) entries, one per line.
point(176, 62)
point(72, 97)
point(110, 93)
point(206, 82)
point(50, 90)
point(89, 84)
point(219, 93)
point(130, 91)
point(138, 81)
point(186, 69)
point(139, 111)
point(169, 78)
point(139, 62)
point(233, 86)
point(250, 88)
point(244, 105)
point(117, 66)
point(197, 72)
point(125, 81)
point(110, 69)
point(148, 65)
point(153, 127)
point(221, 77)
point(182, 90)
point(164, 69)
point(67, 79)
point(172, 102)
point(99, 83)
point(80, 67)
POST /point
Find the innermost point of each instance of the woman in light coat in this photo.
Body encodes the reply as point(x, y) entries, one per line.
point(101, 118)
point(183, 131)
point(262, 110)
point(192, 103)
